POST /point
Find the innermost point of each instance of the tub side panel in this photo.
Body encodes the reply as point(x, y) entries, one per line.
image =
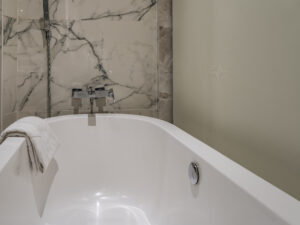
point(17, 202)
point(215, 200)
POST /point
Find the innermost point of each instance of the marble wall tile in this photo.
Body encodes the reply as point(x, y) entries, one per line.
point(9, 8)
point(31, 66)
point(31, 94)
point(30, 9)
point(9, 68)
point(9, 119)
point(23, 57)
point(165, 61)
point(31, 54)
point(9, 78)
point(129, 63)
point(118, 40)
point(123, 44)
point(9, 31)
point(113, 10)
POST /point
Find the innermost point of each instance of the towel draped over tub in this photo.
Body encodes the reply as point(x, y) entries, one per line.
point(41, 141)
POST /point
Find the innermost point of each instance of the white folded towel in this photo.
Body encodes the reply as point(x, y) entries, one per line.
point(41, 142)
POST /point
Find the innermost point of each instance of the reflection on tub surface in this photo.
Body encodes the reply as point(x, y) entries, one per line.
point(97, 209)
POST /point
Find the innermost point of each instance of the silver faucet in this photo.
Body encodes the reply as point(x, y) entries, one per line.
point(93, 94)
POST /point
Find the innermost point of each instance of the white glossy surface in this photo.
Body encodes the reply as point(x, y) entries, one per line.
point(133, 170)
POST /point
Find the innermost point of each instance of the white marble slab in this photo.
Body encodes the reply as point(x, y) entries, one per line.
point(93, 42)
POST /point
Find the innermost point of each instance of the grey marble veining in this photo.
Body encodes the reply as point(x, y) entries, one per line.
point(113, 55)
point(123, 44)
point(9, 63)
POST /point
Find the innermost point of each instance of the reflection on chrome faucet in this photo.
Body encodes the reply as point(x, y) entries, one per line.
point(98, 95)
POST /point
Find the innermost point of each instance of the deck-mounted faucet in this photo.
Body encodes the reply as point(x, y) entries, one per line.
point(93, 94)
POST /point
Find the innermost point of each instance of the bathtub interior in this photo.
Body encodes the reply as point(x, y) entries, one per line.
point(127, 170)
point(108, 174)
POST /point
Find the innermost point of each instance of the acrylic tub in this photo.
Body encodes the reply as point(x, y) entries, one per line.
point(127, 170)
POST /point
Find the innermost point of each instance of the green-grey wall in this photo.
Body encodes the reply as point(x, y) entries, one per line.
point(237, 82)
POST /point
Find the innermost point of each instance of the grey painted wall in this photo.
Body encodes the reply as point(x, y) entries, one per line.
point(237, 82)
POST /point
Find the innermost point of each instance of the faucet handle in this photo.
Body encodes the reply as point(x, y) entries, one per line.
point(100, 89)
point(100, 92)
point(111, 94)
point(76, 92)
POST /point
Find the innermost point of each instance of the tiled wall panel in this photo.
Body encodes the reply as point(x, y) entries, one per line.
point(123, 44)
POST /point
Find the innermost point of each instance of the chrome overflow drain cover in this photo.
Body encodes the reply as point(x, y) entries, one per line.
point(194, 173)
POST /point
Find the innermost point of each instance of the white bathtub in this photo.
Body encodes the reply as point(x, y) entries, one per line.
point(134, 170)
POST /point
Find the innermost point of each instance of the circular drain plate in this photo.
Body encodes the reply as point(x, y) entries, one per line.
point(194, 173)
